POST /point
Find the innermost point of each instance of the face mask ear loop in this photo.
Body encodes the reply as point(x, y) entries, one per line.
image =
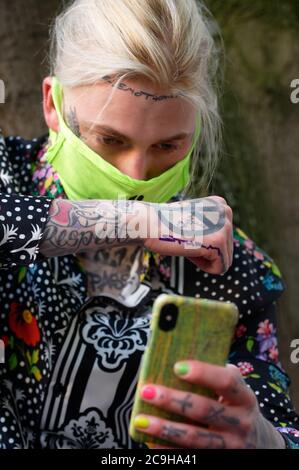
point(195, 140)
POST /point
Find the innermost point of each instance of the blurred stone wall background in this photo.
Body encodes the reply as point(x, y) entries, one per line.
point(259, 172)
point(24, 26)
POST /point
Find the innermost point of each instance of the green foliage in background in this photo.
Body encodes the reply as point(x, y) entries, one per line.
point(275, 13)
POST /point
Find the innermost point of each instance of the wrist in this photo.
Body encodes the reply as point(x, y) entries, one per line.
point(134, 216)
point(287, 442)
point(284, 444)
point(270, 437)
point(121, 221)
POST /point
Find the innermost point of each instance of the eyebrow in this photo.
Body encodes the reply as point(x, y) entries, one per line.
point(114, 132)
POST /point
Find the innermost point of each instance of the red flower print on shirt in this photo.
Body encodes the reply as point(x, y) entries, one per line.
point(240, 331)
point(5, 340)
point(23, 324)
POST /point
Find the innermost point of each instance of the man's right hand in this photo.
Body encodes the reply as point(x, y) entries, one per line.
point(199, 229)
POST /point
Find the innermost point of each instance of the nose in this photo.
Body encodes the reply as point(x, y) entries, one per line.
point(134, 164)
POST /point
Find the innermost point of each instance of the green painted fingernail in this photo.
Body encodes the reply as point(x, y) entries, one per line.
point(181, 368)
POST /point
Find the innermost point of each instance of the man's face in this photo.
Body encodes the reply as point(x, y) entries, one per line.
point(143, 131)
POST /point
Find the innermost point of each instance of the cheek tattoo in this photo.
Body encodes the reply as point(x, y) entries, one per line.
point(73, 122)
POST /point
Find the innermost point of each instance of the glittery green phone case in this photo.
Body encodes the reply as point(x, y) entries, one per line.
point(182, 328)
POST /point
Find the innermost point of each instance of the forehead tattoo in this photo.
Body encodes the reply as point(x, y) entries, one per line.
point(140, 93)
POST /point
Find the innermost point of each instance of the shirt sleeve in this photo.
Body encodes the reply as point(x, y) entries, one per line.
point(256, 355)
point(255, 347)
point(22, 218)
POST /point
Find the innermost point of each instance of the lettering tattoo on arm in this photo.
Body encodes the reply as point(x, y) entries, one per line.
point(195, 244)
point(73, 227)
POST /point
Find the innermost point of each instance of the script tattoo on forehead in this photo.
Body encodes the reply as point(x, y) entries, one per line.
point(148, 96)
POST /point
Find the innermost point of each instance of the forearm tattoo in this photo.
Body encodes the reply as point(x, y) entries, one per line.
point(75, 226)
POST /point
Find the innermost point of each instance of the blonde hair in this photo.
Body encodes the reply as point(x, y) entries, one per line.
point(169, 42)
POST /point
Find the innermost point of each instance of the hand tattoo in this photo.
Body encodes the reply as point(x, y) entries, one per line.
point(185, 403)
point(171, 431)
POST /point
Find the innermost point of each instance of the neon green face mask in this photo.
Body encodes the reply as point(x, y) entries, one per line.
point(86, 175)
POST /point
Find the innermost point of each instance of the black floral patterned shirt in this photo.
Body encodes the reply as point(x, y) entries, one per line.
point(71, 362)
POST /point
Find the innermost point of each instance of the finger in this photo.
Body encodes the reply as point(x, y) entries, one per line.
point(225, 260)
point(211, 261)
point(206, 265)
point(159, 446)
point(191, 406)
point(230, 244)
point(228, 229)
point(227, 249)
point(228, 213)
point(218, 199)
point(231, 248)
point(224, 381)
point(180, 434)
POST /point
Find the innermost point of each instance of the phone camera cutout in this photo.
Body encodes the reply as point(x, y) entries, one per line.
point(168, 317)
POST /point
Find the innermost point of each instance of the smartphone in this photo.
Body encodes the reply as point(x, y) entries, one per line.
point(182, 328)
